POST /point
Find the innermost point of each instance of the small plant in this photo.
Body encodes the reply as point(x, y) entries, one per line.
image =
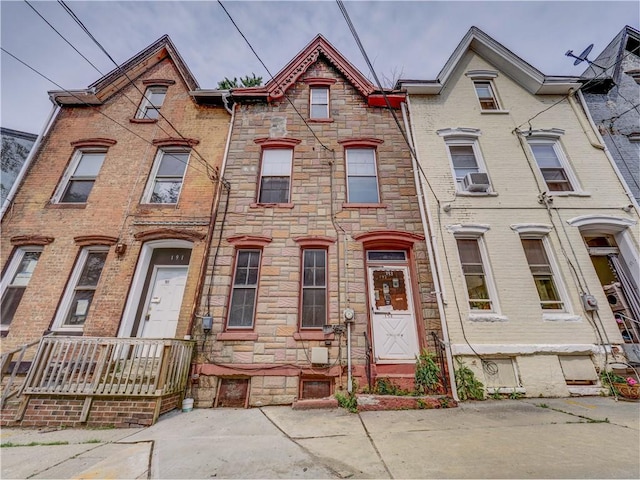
point(384, 386)
point(427, 377)
point(347, 401)
point(32, 444)
point(469, 387)
point(608, 379)
point(444, 402)
point(543, 405)
point(515, 395)
point(496, 395)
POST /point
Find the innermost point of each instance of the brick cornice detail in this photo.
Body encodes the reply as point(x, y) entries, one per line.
point(94, 142)
point(284, 142)
point(168, 234)
point(40, 240)
point(314, 241)
point(159, 81)
point(86, 240)
point(249, 241)
point(388, 238)
point(175, 142)
point(319, 81)
point(361, 142)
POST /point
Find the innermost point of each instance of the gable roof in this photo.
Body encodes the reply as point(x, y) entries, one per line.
point(503, 59)
point(287, 77)
point(119, 77)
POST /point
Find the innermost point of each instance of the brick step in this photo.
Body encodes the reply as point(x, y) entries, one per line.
point(315, 403)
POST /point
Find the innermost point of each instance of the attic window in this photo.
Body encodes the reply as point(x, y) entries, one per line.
point(485, 89)
point(319, 98)
point(152, 101)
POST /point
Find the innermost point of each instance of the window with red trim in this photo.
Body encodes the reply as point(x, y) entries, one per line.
point(319, 102)
point(245, 287)
point(275, 175)
point(362, 177)
point(314, 288)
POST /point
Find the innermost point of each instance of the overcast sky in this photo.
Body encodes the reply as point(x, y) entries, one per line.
point(406, 39)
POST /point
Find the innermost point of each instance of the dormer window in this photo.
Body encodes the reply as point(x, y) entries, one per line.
point(151, 103)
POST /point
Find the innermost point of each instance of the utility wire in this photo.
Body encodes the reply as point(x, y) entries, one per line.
point(271, 75)
point(93, 107)
point(202, 160)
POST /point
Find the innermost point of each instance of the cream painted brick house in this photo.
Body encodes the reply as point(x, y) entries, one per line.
point(529, 221)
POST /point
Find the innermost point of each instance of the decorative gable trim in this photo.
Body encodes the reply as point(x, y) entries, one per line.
point(319, 82)
point(289, 75)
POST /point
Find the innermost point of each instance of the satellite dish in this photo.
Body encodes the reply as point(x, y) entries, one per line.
point(582, 57)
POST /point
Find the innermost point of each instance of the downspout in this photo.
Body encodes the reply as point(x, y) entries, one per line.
point(27, 163)
point(603, 146)
point(214, 214)
point(434, 259)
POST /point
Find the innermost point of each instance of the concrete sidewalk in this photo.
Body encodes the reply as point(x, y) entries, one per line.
point(585, 437)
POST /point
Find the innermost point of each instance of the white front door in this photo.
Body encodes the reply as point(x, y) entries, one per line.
point(163, 302)
point(393, 319)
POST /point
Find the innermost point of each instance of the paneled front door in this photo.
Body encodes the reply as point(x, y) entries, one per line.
point(164, 302)
point(393, 318)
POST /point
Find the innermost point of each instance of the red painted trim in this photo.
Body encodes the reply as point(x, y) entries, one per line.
point(165, 82)
point(22, 240)
point(264, 370)
point(233, 335)
point(364, 205)
point(94, 142)
point(312, 241)
point(267, 142)
point(248, 241)
point(271, 205)
point(175, 141)
point(361, 142)
point(319, 81)
point(168, 233)
point(387, 238)
point(312, 335)
point(86, 240)
point(377, 100)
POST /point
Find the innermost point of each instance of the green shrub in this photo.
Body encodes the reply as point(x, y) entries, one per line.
point(469, 387)
point(347, 401)
point(427, 378)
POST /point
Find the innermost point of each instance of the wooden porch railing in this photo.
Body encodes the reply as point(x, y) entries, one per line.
point(9, 365)
point(97, 366)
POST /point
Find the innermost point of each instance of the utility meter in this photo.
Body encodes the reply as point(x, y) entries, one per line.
point(349, 314)
point(590, 303)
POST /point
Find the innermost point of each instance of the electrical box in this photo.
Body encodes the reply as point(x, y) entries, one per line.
point(319, 355)
point(589, 302)
point(207, 324)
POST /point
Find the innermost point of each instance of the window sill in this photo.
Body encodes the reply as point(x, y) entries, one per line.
point(143, 120)
point(462, 193)
point(77, 206)
point(569, 194)
point(364, 205)
point(158, 205)
point(487, 317)
point(495, 112)
point(561, 317)
point(312, 335)
point(251, 336)
point(271, 205)
point(320, 120)
point(67, 332)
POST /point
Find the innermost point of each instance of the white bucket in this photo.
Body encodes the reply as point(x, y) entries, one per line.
point(187, 404)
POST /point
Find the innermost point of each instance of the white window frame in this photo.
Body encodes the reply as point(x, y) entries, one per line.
point(67, 298)
point(486, 76)
point(289, 176)
point(69, 174)
point(12, 270)
point(146, 105)
point(465, 137)
point(552, 137)
point(477, 232)
point(375, 169)
point(151, 183)
point(541, 232)
point(311, 102)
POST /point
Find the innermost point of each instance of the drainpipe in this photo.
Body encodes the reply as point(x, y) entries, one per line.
point(603, 146)
point(27, 163)
point(434, 258)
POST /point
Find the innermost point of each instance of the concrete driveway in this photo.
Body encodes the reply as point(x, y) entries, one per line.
point(585, 437)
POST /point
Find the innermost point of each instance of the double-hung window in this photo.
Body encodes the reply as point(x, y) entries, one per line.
point(319, 102)
point(314, 288)
point(167, 175)
point(245, 287)
point(362, 177)
point(275, 175)
point(475, 276)
point(151, 103)
point(78, 181)
point(543, 274)
point(81, 289)
point(467, 164)
point(15, 281)
point(486, 95)
point(464, 161)
point(548, 157)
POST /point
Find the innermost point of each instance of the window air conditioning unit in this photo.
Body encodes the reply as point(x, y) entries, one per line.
point(476, 182)
point(615, 297)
